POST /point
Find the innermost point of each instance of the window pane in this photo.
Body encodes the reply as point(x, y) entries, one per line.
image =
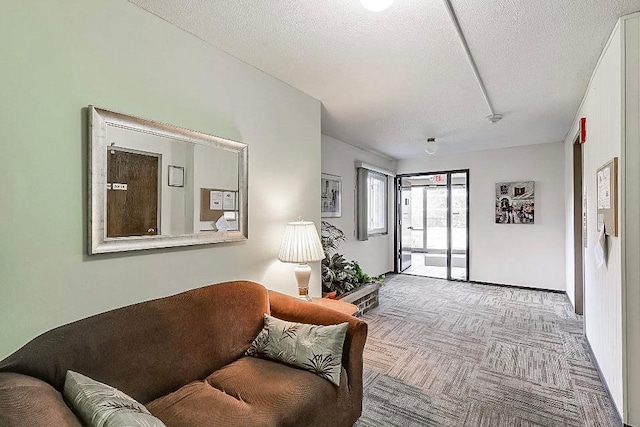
point(417, 218)
point(377, 203)
point(459, 218)
point(437, 218)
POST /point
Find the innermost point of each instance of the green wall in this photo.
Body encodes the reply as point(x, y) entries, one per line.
point(57, 57)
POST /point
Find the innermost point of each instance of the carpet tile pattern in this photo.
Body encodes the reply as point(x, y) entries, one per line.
point(457, 354)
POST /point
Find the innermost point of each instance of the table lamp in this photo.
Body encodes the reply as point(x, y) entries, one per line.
point(301, 245)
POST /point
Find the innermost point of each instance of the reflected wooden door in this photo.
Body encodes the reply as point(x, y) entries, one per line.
point(132, 193)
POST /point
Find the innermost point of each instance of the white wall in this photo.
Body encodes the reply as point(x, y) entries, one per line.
point(57, 58)
point(612, 293)
point(375, 255)
point(602, 107)
point(530, 255)
point(630, 211)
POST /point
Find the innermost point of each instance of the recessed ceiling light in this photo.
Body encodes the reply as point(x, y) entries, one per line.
point(376, 5)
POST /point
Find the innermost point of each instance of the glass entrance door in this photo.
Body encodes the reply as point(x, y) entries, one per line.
point(438, 224)
point(436, 227)
point(405, 224)
point(459, 226)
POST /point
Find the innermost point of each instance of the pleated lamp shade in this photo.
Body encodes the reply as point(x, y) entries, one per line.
point(301, 243)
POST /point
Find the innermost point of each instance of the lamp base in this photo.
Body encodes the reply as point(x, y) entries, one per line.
point(303, 273)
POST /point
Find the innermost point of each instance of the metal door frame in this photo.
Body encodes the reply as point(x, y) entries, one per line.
point(578, 225)
point(398, 230)
point(397, 262)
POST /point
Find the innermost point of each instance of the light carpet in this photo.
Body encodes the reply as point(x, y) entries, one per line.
point(444, 353)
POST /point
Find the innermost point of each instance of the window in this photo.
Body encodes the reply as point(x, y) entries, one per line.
point(376, 203)
point(372, 201)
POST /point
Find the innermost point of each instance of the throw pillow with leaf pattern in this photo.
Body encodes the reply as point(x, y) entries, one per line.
point(100, 405)
point(315, 348)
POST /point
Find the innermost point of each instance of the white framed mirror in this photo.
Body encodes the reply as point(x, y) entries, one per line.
point(153, 185)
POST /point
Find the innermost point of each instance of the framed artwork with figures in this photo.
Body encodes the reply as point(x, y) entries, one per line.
point(331, 196)
point(515, 202)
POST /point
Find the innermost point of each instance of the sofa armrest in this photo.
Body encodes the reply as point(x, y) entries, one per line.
point(28, 401)
point(293, 309)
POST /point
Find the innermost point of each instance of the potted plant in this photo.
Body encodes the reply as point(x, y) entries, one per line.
point(341, 278)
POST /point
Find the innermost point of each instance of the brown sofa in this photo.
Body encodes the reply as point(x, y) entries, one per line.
point(182, 356)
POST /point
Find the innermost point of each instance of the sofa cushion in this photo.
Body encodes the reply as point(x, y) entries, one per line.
point(252, 392)
point(28, 401)
point(200, 404)
point(100, 405)
point(315, 348)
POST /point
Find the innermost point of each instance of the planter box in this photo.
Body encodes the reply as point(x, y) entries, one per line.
point(365, 297)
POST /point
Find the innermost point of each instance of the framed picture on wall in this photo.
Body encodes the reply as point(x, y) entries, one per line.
point(331, 196)
point(515, 202)
point(607, 192)
point(176, 176)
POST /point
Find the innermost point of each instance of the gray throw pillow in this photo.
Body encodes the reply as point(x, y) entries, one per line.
point(315, 348)
point(100, 405)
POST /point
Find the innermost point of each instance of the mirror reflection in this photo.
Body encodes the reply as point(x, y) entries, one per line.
point(163, 181)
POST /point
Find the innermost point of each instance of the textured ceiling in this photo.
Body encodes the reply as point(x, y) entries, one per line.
point(389, 80)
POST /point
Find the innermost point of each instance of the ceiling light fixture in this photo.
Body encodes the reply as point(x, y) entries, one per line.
point(376, 5)
point(431, 146)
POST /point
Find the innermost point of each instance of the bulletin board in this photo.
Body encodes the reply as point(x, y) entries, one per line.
point(607, 197)
point(214, 202)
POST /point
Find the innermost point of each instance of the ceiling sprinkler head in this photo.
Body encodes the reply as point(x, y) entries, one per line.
point(431, 146)
point(494, 118)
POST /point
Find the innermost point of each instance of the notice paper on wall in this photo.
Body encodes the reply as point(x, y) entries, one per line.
point(604, 184)
point(229, 200)
point(215, 200)
point(600, 249)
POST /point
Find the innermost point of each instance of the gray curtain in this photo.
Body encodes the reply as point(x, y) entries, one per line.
point(362, 213)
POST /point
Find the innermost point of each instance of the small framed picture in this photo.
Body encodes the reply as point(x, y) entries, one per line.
point(331, 196)
point(176, 176)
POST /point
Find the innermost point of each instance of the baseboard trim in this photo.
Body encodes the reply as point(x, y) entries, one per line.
point(504, 285)
point(604, 382)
